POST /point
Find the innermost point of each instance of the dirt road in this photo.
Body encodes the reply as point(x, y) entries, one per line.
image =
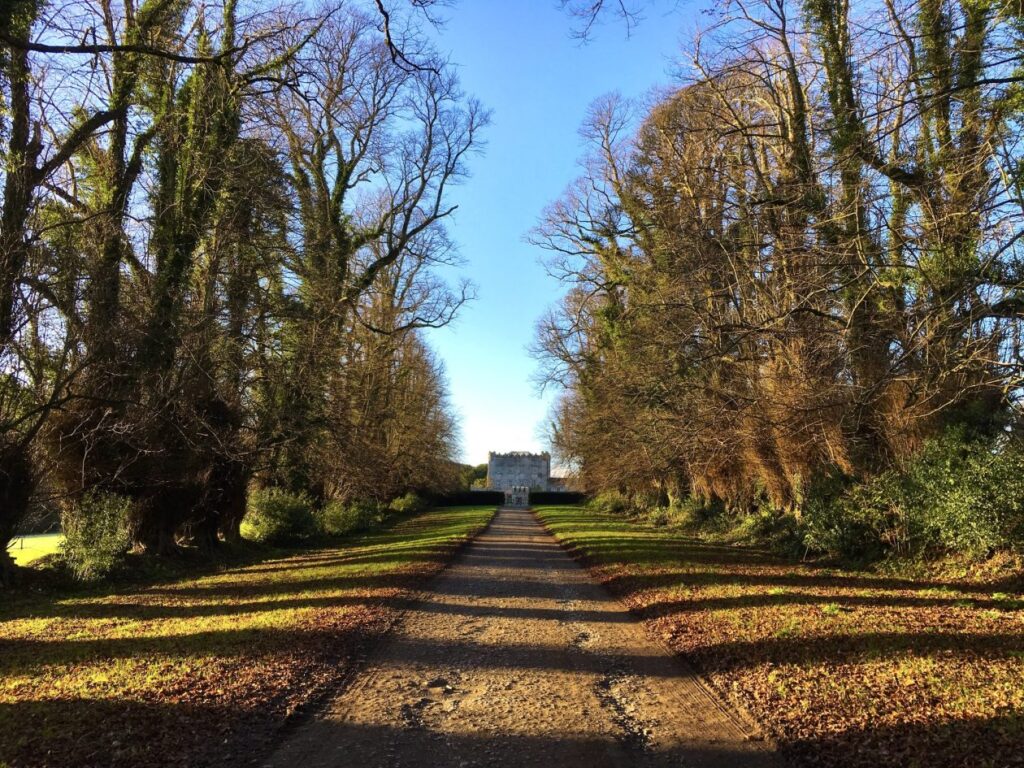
point(517, 658)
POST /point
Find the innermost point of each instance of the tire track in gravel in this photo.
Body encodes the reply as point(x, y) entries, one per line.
point(515, 657)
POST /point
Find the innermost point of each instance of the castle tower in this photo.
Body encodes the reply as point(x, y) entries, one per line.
point(518, 468)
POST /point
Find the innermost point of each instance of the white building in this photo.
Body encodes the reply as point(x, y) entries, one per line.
point(518, 468)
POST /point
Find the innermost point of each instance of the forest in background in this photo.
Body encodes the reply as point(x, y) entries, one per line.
point(794, 283)
point(220, 236)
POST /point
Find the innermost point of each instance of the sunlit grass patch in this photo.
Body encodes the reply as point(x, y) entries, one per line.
point(831, 609)
point(28, 549)
point(195, 666)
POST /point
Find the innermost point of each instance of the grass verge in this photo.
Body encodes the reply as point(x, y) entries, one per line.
point(27, 549)
point(205, 670)
point(842, 668)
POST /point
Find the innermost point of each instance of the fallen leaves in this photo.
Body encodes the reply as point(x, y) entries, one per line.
point(842, 668)
point(205, 671)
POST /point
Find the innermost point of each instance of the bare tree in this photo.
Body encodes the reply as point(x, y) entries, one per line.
point(791, 266)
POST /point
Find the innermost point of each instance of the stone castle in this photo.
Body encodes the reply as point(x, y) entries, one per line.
point(518, 469)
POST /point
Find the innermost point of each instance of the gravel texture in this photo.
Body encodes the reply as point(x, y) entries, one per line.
point(515, 657)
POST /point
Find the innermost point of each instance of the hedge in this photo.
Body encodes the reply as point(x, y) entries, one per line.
point(470, 499)
point(556, 497)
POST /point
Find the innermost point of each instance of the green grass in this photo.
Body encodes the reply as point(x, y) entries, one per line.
point(27, 549)
point(205, 669)
point(841, 667)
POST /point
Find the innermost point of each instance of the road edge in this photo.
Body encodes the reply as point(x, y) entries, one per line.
point(728, 705)
point(364, 648)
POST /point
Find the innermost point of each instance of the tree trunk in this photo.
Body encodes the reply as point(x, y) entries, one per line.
point(158, 521)
point(22, 152)
point(16, 484)
point(235, 496)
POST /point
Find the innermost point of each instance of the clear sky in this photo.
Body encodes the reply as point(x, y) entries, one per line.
point(520, 59)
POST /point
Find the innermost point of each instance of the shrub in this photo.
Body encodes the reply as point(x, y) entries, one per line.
point(779, 529)
point(665, 516)
point(97, 534)
point(339, 518)
point(956, 495)
point(696, 512)
point(610, 502)
point(853, 521)
point(276, 516)
point(658, 516)
point(687, 513)
point(335, 518)
point(555, 497)
point(642, 503)
point(409, 504)
point(967, 496)
point(369, 513)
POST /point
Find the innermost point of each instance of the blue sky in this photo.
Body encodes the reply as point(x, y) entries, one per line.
point(520, 59)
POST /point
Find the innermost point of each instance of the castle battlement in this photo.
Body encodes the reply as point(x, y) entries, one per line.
point(516, 469)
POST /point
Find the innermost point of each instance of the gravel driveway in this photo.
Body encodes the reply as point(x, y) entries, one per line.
point(515, 657)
